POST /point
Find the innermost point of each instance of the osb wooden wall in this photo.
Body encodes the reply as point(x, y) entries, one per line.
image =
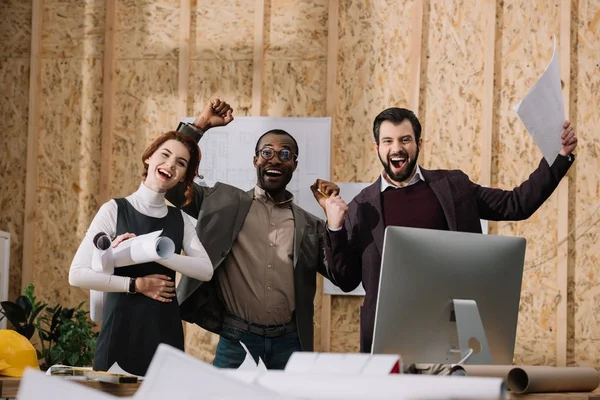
point(108, 75)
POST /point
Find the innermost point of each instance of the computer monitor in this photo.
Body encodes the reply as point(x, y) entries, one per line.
point(445, 296)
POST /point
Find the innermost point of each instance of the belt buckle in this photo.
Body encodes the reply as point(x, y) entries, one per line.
point(276, 331)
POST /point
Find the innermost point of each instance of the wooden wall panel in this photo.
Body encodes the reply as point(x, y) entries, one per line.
point(73, 29)
point(147, 29)
point(15, 42)
point(454, 93)
point(228, 80)
point(68, 172)
point(145, 106)
point(223, 33)
point(68, 143)
point(525, 45)
point(586, 285)
point(15, 30)
point(373, 70)
point(295, 88)
point(295, 39)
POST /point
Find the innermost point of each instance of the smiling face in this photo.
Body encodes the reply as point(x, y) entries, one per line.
point(398, 151)
point(167, 166)
point(273, 175)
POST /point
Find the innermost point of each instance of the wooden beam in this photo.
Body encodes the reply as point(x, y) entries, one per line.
point(33, 126)
point(184, 58)
point(258, 60)
point(331, 108)
point(108, 96)
point(416, 50)
point(562, 275)
point(487, 125)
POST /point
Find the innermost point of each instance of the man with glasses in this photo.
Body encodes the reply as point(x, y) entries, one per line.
point(266, 252)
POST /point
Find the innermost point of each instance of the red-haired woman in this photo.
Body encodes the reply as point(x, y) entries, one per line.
point(141, 309)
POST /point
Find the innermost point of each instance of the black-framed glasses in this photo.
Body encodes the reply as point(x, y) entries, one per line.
point(284, 154)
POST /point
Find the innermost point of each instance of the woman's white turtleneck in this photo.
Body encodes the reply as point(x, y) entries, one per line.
point(196, 264)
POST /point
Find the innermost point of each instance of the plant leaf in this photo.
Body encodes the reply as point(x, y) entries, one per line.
point(35, 313)
point(13, 312)
point(25, 304)
point(26, 330)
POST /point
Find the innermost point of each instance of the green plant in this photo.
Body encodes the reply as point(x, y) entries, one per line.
point(23, 312)
point(67, 335)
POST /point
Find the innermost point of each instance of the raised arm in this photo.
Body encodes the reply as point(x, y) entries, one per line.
point(343, 262)
point(215, 113)
point(521, 202)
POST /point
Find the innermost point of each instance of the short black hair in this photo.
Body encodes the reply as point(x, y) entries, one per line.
point(396, 116)
point(276, 132)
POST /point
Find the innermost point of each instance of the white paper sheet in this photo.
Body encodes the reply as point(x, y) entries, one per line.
point(102, 261)
point(116, 369)
point(36, 385)
point(399, 386)
point(142, 249)
point(175, 375)
point(543, 112)
point(248, 364)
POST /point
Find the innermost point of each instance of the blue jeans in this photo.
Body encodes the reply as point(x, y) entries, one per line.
point(274, 352)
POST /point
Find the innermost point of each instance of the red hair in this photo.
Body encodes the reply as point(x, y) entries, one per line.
point(192, 166)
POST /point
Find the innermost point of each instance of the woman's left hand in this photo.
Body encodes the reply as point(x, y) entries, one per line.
point(121, 238)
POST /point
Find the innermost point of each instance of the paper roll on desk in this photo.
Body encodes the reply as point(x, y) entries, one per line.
point(138, 250)
point(538, 379)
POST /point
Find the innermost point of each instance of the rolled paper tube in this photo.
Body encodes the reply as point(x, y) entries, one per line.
point(532, 379)
point(497, 371)
point(536, 379)
point(144, 248)
point(102, 241)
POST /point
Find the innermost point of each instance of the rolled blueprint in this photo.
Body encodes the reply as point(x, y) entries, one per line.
point(144, 248)
point(102, 261)
point(538, 379)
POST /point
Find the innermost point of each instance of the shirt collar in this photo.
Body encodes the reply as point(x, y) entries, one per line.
point(418, 176)
point(262, 195)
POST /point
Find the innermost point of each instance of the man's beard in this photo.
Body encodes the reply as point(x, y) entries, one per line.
point(402, 176)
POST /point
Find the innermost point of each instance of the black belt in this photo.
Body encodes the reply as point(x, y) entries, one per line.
point(268, 331)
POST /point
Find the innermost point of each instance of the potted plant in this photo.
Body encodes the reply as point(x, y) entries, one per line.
point(67, 335)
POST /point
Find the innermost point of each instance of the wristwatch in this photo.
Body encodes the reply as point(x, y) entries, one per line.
point(131, 289)
point(190, 129)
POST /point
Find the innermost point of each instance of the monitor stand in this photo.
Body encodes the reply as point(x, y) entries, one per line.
point(471, 334)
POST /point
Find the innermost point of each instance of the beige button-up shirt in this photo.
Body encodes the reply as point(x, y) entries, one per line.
point(257, 277)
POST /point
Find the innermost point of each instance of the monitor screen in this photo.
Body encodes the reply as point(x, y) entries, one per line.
point(423, 271)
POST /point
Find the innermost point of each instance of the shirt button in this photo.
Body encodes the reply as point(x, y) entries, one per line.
point(268, 287)
point(272, 223)
point(270, 244)
point(269, 266)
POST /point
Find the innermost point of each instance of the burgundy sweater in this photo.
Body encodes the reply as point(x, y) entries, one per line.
point(414, 206)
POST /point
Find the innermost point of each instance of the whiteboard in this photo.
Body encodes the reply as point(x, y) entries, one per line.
point(227, 153)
